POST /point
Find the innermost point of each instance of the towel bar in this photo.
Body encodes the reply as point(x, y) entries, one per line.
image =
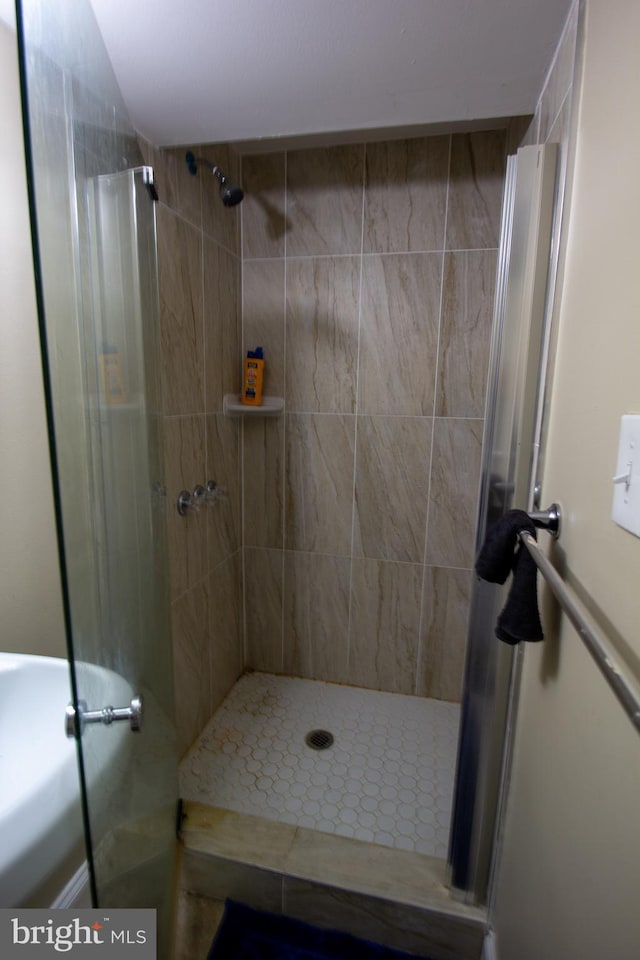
point(591, 636)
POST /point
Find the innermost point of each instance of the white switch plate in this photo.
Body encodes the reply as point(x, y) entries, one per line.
point(626, 495)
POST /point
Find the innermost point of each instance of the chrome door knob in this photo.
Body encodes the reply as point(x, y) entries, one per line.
point(75, 721)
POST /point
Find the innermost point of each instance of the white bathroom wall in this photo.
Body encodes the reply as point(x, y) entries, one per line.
point(30, 598)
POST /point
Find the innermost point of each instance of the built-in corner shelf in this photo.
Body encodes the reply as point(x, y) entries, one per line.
point(232, 406)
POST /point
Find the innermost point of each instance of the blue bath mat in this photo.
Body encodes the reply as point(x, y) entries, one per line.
point(247, 934)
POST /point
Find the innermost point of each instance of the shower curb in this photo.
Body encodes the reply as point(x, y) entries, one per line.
point(390, 896)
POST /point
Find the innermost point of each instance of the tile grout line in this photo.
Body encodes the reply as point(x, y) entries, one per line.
point(241, 440)
point(356, 406)
point(371, 253)
point(284, 422)
point(207, 532)
point(420, 655)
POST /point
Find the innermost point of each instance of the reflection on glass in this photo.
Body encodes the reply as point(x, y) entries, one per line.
point(98, 275)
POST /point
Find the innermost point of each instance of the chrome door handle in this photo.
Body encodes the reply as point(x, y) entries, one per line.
point(75, 721)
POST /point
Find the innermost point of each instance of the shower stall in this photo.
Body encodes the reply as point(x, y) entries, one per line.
point(322, 558)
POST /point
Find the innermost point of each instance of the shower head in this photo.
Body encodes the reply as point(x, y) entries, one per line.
point(229, 193)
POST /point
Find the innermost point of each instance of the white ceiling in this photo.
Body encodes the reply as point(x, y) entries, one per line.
point(196, 71)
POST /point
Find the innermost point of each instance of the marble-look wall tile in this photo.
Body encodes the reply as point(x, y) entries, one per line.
point(187, 536)
point(263, 213)
point(406, 194)
point(324, 200)
point(432, 933)
point(559, 132)
point(385, 615)
point(219, 222)
point(319, 483)
point(223, 466)
point(465, 333)
point(376, 360)
point(181, 326)
point(188, 188)
point(164, 171)
point(531, 135)
point(322, 334)
point(560, 77)
point(263, 318)
point(189, 630)
point(221, 323)
point(399, 334)
point(196, 922)
point(225, 628)
point(446, 596)
point(220, 878)
point(263, 609)
point(453, 496)
point(517, 130)
point(316, 631)
point(475, 190)
point(392, 487)
point(263, 459)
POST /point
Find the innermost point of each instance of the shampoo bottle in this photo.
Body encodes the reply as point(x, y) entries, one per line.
point(113, 389)
point(253, 376)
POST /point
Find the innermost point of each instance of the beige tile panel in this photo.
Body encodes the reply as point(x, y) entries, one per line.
point(316, 631)
point(222, 326)
point(367, 868)
point(225, 628)
point(396, 925)
point(446, 596)
point(239, 836)
point(188, 188)
point(220, 222)
point(475, 190)
point(392, 487)
point(263, 318)
point(263, 457)
point(560, 78)
point(385, 615)
point(399, 333)
point(189, 628)
point(181, 326)
point(351, 865)
point(519, 129)
point(324, 200)
point(263, 214)
point(559, 132)
point(319, 483)
point(164, 171)
point(453, 496)
point(263, 609)
point(406, 194)
point(465, 333)
point(197, 919)
point(218, 878)
point(322, 334)
point(222, 515)
point(187, 536)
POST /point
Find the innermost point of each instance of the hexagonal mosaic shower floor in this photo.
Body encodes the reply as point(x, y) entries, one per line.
point(387, 778)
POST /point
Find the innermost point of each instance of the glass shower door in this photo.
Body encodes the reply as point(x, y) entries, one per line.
point(130, 774)
point(93, 222)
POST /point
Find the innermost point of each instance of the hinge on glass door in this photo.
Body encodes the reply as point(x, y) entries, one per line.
point(147, 176)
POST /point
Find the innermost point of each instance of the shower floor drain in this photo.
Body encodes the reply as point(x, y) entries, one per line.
point(319, 739)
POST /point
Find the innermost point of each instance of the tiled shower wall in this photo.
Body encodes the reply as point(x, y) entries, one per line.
point(199, 276)
point(368, 278)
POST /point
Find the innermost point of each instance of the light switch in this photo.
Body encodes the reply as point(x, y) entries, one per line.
point(626, 491)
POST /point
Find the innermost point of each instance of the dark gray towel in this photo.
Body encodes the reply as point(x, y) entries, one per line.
point(501, 554)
